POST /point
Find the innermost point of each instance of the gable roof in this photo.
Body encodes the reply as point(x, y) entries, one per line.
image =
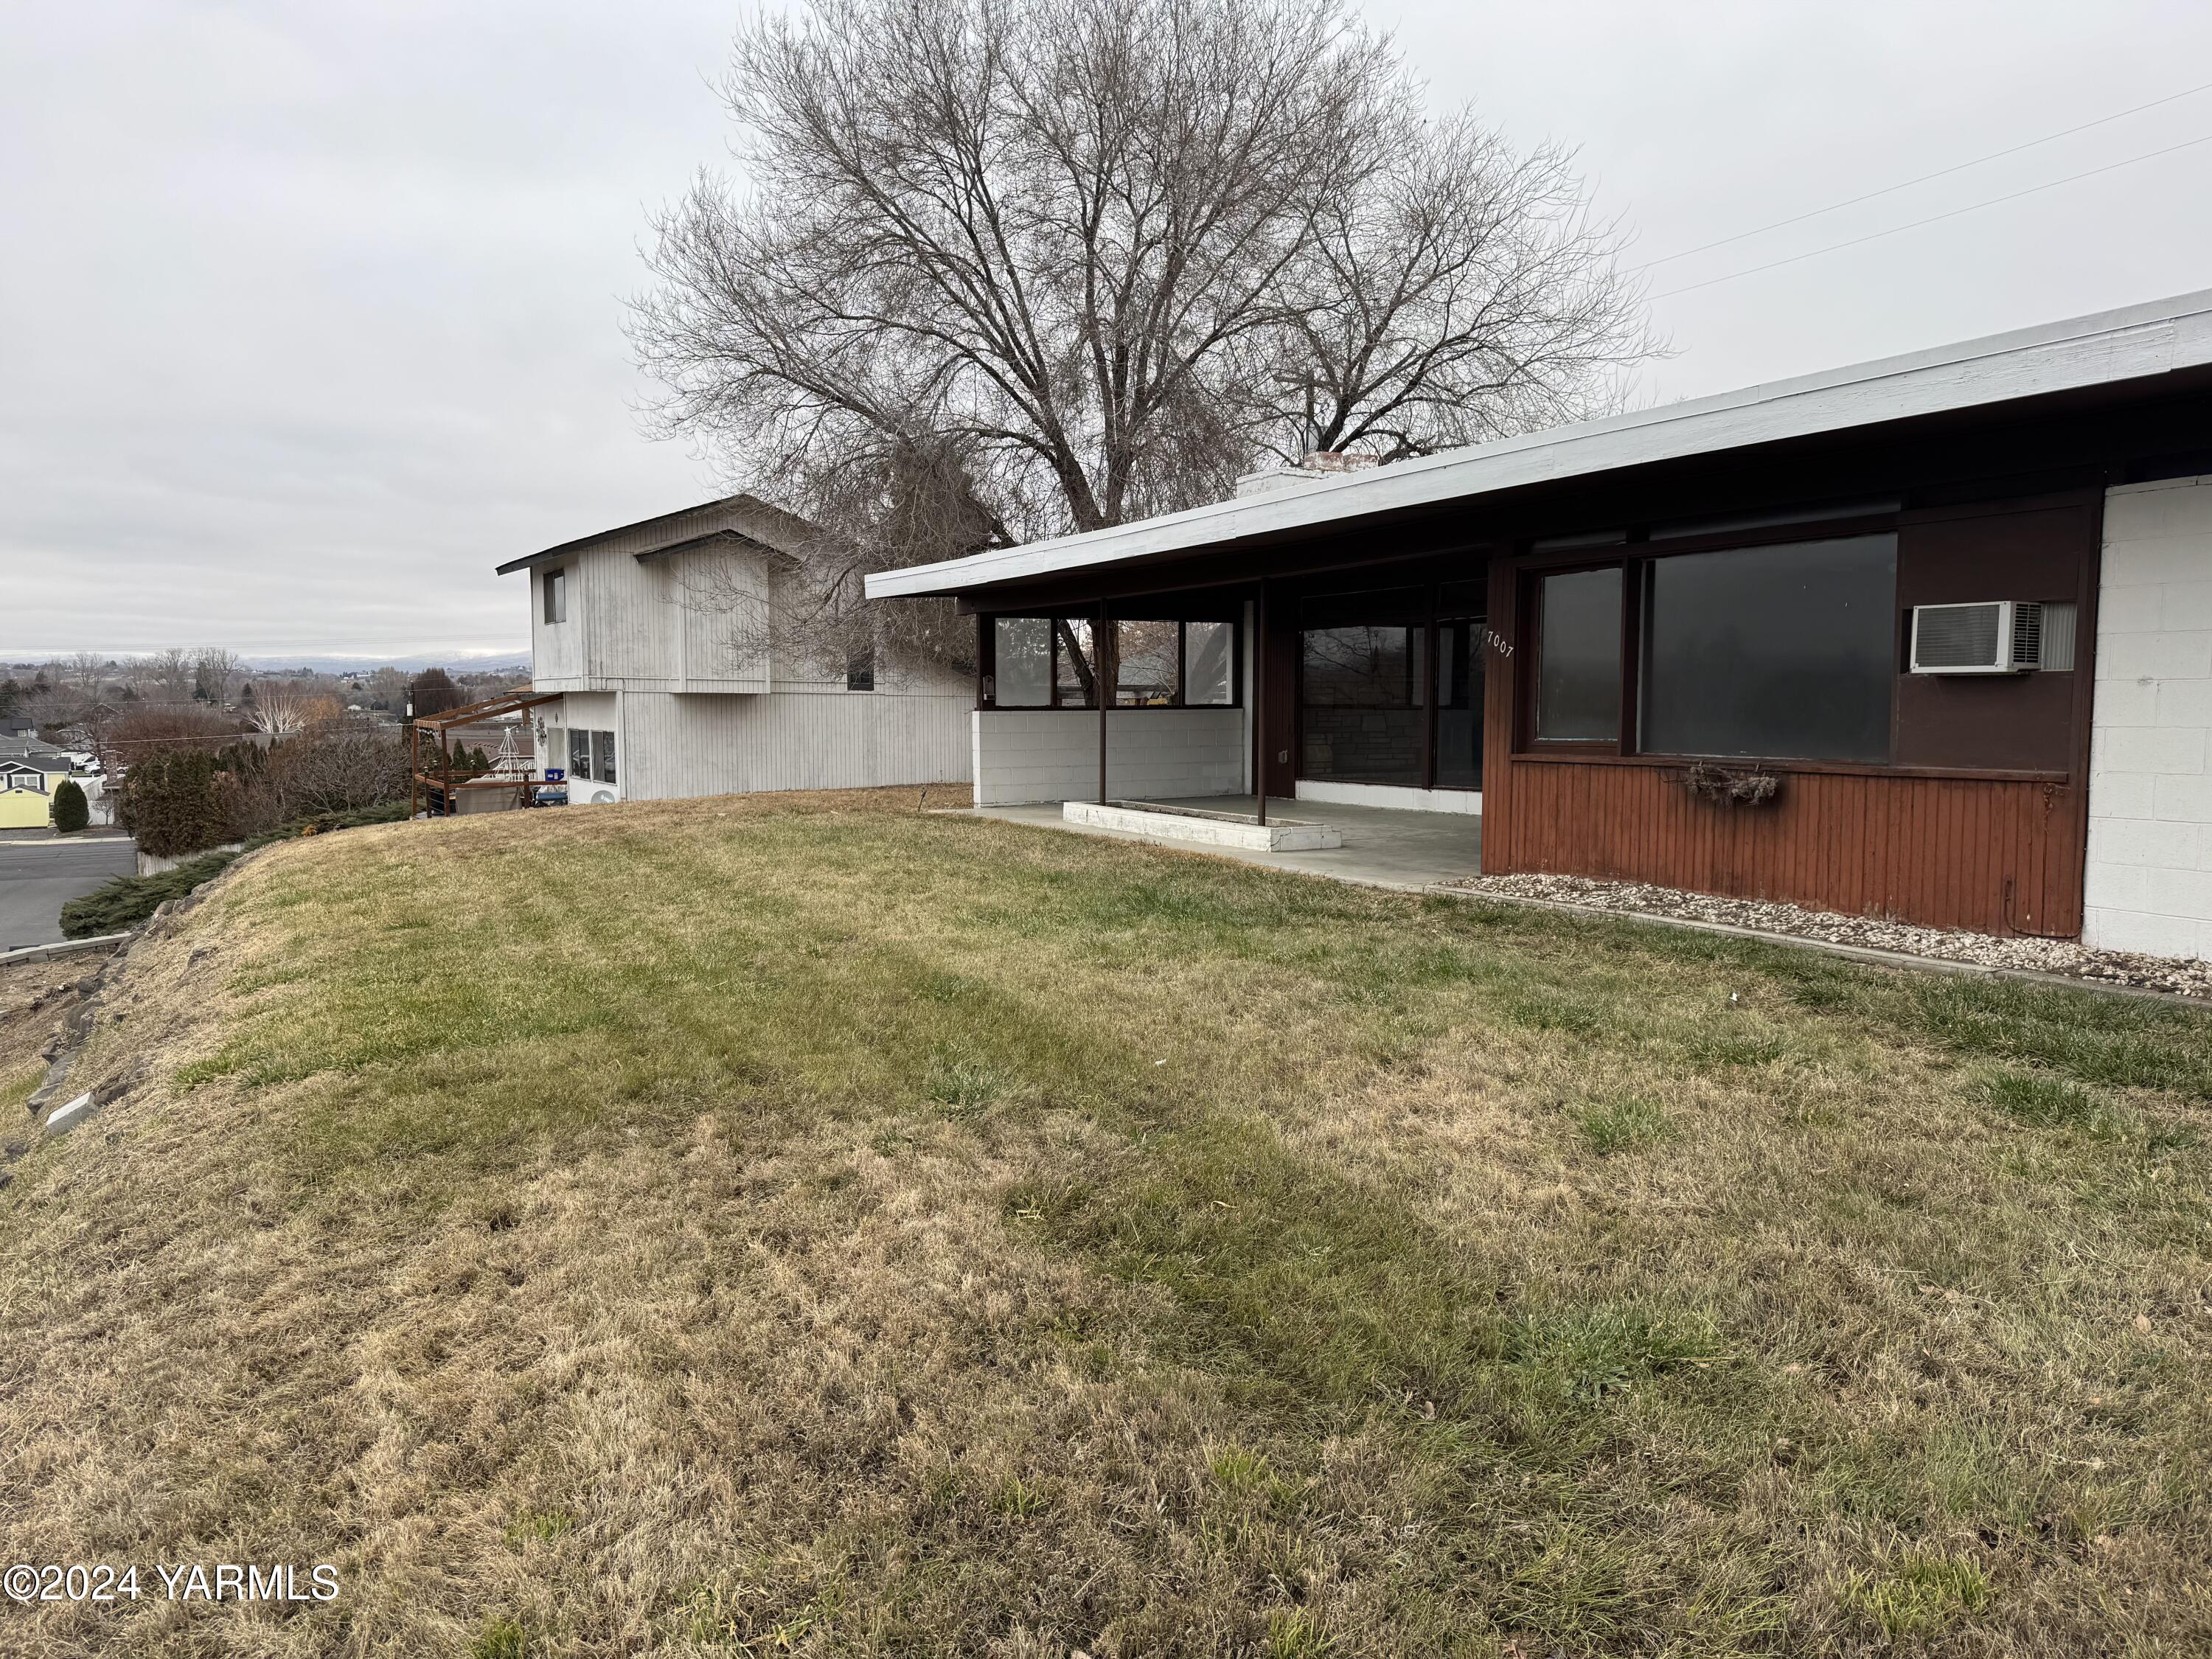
point(2136, 343)
point(740, 519)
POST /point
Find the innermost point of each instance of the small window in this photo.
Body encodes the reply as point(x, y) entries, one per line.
point(603, 742)
point(861, 670)
point(1023, 675)
point(1209, 664)
point(556, 596)
point(1578, 656)
point(579, 754)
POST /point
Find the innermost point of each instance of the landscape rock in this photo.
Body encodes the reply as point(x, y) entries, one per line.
point(2039, 956)
point(67, 1117)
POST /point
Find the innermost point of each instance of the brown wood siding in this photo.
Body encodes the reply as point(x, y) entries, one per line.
point(1995, 855)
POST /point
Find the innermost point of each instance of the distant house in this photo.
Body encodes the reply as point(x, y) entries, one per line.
point(29, 771)
point(659, 637)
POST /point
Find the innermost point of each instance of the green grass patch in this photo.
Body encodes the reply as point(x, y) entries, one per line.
point(921, 1235)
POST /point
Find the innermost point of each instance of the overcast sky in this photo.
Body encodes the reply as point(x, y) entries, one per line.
point(312, 312)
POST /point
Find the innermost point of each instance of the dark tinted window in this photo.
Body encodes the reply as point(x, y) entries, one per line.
point(1578, 656)
point(1786, 652)
point(861, 670)
point(1365, 696)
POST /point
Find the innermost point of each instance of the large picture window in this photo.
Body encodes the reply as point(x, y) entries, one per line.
point(1784, 653)
point(1578, 625)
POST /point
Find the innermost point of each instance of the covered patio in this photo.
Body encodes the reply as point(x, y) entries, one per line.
point(1383, 847)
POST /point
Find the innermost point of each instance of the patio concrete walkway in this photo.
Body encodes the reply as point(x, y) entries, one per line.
point(1383, 848)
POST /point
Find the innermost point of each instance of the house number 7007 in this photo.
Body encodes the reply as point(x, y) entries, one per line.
point(1496, 641)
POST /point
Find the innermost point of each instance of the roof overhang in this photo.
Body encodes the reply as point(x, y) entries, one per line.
point(682, 526)
point(2138, 343)
point(726, 540)
point(490, 708)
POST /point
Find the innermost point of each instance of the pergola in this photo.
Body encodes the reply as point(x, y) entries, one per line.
point(442, 725)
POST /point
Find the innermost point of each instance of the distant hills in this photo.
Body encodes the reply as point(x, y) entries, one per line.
point(478, 662)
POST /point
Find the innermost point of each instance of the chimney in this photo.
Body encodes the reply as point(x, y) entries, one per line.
point(1320, 465)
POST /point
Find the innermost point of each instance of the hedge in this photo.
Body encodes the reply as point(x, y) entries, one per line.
point(129, 900)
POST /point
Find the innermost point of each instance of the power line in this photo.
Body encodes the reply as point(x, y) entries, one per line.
point(1937, 218)
point(1940, 173)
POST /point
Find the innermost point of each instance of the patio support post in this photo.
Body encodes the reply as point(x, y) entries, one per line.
point(1260, 700)
point(1098, 684)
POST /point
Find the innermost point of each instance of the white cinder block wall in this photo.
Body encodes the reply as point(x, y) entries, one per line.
point(2148, 883)
point(1024, 755)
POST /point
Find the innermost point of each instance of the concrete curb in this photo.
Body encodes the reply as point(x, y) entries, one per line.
point(1851, 952)
point(67, 947)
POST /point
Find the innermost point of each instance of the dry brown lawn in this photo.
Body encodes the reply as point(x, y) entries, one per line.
point(808, 1224)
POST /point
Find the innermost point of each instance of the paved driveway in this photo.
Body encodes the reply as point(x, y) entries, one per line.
point(38, 875)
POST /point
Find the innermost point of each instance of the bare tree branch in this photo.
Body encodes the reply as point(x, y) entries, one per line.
point(1002, 269)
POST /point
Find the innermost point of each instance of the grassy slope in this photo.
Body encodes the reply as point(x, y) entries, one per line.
point(723, 1228)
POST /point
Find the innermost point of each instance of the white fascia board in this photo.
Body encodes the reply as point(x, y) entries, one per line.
point(2131, 344)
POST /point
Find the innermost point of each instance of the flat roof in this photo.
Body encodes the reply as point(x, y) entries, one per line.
point(2133, 343)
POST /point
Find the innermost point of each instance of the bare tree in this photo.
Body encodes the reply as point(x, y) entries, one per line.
point(1002, 269)
point(173, 670)
point(213, 670)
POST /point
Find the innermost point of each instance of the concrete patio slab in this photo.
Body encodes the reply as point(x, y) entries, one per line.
point(1383, 848)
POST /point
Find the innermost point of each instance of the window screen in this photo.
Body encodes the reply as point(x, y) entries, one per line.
point(1023, 668)
point(1209, 664)
point(1365, 700)
point(1578, 656)
point(1787, 652)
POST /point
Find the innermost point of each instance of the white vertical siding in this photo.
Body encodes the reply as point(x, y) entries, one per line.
point(2148, 885)
point(1024, 755)
point(721, 744)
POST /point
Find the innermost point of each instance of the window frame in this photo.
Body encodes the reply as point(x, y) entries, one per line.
point(553, 582)
point(1432, 617)
point(1529, 624)
point(1633, 557)
point(987, 663)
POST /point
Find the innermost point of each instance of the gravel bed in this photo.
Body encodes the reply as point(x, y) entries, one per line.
point(2045, 955)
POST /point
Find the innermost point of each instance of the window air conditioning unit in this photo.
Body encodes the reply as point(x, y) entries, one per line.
point(1992, 636)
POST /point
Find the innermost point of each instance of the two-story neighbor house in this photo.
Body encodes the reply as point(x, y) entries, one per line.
point(660, 638)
